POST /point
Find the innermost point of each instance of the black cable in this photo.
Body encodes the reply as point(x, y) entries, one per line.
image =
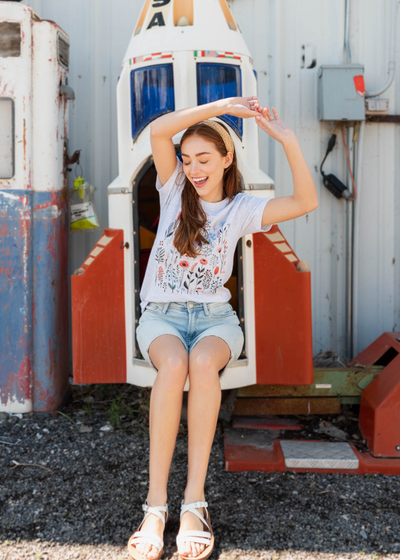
point(331, 145)
point(331, 182)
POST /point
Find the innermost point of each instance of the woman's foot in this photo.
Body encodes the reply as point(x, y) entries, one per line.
point(190, 522)
point(154, 525)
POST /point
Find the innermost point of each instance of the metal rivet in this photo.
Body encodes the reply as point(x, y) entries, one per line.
point(248, 243)
point(397, 447)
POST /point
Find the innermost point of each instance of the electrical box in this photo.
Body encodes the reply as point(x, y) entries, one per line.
point(341, 91)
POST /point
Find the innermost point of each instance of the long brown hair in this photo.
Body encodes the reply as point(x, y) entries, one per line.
point(189, 228)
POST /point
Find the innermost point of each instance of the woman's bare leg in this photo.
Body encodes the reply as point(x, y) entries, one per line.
point(170, 357)
point(206, 359)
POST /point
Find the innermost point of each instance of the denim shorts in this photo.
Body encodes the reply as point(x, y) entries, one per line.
point(190, 322)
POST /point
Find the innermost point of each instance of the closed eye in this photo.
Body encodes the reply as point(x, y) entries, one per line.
point(202, 162)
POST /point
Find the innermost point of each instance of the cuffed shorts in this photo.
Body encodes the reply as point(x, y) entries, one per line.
point(190, 322)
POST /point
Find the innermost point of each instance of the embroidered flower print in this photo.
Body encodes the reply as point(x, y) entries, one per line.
point(181, 274)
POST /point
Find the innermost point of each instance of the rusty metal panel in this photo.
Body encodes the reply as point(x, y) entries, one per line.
point(328, 382)
point(265, 406)
point(16, 298)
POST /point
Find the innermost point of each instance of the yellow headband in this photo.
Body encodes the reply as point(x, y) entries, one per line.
point(226, 137)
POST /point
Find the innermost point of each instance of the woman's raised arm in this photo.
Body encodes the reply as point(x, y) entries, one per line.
point(304, 198)
point(163, 129)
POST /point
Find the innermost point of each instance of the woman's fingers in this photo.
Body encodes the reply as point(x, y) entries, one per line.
point(267, 113)
point(257, 107)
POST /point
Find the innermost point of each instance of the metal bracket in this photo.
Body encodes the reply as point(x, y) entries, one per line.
point(119, 190)
point(258, 187)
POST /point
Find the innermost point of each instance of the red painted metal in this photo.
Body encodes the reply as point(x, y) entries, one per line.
point(98, 315)
point(379, 418)
point(283, 321)
point(245, 457)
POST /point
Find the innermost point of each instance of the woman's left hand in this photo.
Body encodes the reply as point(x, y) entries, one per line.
point(275, 127)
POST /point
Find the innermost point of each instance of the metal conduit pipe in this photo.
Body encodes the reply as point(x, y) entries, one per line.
point(347, 29)
point(356, 230)
point(349, 250)
point(349, 217)
point(392, 50)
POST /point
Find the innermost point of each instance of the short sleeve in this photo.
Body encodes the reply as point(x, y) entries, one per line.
point(251, 212)
point(171, 189)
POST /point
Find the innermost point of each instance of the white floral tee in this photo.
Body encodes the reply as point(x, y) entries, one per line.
point(174, 277)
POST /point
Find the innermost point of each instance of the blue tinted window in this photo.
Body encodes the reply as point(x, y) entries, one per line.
point(217, 81)
point(152, 95)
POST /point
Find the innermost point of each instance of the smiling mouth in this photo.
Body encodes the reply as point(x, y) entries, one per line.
point(200, 182)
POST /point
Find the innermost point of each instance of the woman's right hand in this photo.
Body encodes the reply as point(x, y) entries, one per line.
point(242, 107)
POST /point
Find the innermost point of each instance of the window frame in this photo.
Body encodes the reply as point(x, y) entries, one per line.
point(13, 136)
point(235, 123)
point(135, 132)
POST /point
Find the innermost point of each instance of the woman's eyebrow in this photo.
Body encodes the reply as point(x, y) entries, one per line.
point(200, 154)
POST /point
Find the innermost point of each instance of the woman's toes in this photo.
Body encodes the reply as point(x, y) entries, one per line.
point(186, 549)
point(153, 553)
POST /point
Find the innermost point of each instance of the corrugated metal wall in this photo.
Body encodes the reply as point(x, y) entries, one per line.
point(275, 31)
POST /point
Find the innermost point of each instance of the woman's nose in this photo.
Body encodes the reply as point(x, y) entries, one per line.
point(194, 168)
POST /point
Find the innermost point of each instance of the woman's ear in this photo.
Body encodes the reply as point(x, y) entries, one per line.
point(228, 160)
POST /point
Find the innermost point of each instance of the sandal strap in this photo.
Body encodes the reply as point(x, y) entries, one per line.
point(156, 510)
point(148, 538)
point(192, 508)
point(203, 537)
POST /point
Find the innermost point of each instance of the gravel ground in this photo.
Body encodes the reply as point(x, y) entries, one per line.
point(72, 485)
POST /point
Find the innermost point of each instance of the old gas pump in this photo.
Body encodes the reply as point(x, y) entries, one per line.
point(34, 95)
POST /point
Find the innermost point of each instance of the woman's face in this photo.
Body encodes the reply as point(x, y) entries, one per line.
point(204, 167)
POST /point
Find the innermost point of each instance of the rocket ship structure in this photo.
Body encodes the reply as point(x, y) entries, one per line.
point(182, 53)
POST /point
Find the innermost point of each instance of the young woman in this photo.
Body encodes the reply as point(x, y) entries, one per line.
point(188, 326)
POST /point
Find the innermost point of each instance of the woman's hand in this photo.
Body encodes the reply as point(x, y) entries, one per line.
point(275, 127)
point(243, 107)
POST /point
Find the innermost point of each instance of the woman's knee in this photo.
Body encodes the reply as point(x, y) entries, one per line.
point(175, 363)
point(203, 368)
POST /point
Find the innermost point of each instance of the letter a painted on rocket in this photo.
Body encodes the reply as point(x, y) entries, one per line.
point(158, 13)
point(156, 20)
